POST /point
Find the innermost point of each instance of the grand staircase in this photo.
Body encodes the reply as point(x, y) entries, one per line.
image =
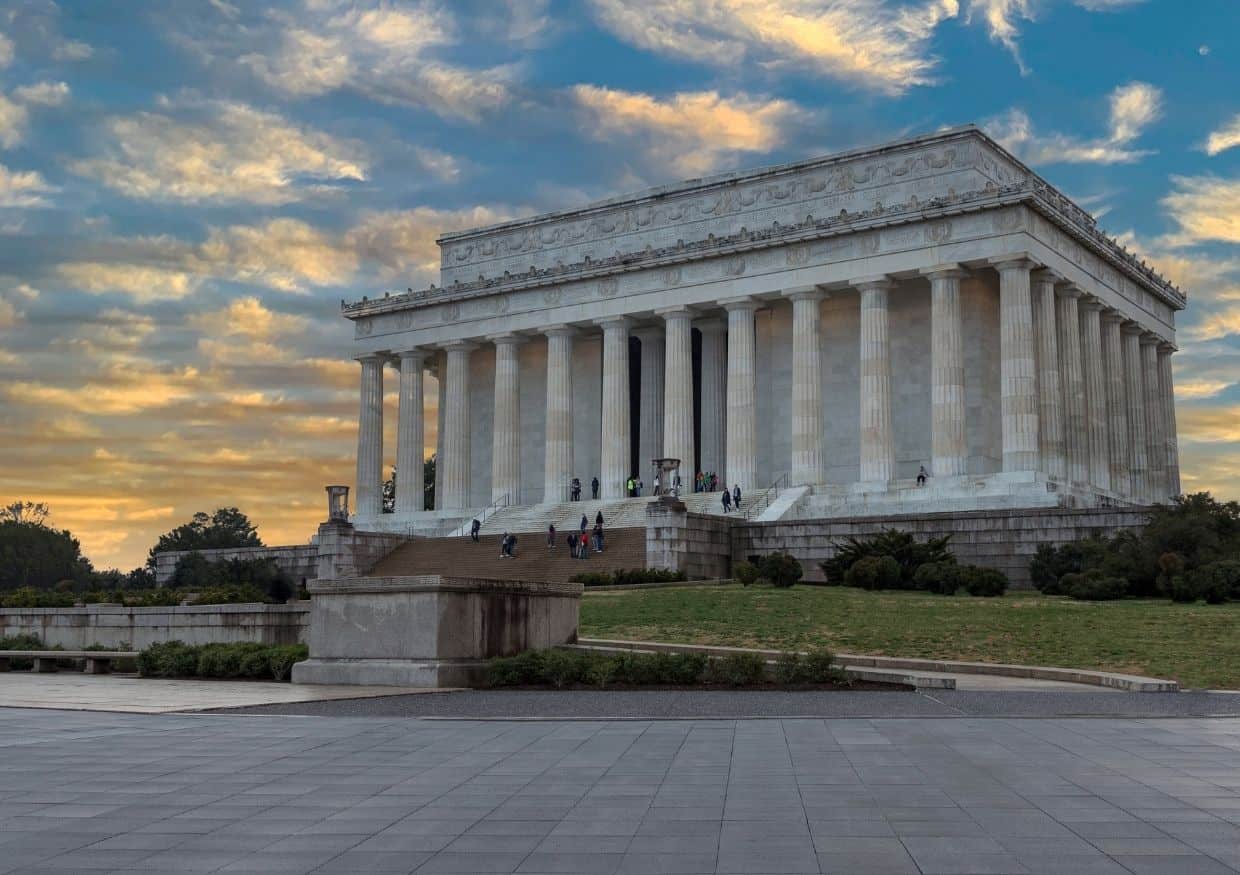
point(618, 513)
point(461, 557)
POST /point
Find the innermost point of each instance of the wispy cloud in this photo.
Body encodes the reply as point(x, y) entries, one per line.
point(1131, 109)
point(1226, 137)
point(1002, 18)
point(873, 45)
point(693, 132)
point(23, 188)
point(1206, 208)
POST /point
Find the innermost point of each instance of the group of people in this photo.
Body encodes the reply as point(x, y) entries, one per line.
point(706, 481)
point(580, 542)
point(731, 499)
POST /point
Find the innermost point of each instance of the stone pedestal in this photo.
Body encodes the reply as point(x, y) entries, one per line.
point(429, 631)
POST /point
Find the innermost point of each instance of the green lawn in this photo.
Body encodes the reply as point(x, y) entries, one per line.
point(1198, 645)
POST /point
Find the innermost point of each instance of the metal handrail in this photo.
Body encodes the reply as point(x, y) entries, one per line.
point(758, 505)
point(487, 512)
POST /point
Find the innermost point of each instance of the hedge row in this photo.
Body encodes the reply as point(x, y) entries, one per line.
point(567, 668)
point(176, 659)
point(629, 577)
point(227, 594)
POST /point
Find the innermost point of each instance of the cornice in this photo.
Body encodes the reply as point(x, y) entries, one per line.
point(1032, 192)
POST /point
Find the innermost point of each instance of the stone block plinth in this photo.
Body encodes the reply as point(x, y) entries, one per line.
point(429, 631)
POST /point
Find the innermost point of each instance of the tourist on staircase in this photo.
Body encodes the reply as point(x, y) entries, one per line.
point(598, 535)
point(550, 536)
point(727, 501)
point(736, 495)
point(594, 489)
point(474, 527)
point(503, 546)
point(575, 490)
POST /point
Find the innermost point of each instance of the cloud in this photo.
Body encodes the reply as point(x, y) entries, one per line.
point(1206, 208)
point(1192, 390)
point(142, 282)
point(1218, 324)
point(20, 188)
point(1224, 138)
point(1132, 108)
point(6, 51)
point(246, 317)
point(13, 118)
point(1209, 424)
point(118, 388)
point(1106, 5)
point(229, 152)
point(380, 52)
point(872, 45)
point(694, 132)
point(1001, 18)
point(43, 93)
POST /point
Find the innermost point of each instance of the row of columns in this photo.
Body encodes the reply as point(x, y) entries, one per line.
point(1086, 396)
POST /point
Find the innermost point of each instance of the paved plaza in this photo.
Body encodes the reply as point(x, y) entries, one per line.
point(284, 793)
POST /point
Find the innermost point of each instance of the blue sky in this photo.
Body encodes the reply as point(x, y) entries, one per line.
point(188, 188)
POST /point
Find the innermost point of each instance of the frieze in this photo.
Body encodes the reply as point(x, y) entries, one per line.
point(608, 287)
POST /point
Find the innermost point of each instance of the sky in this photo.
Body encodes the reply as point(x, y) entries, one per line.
point(189, 188)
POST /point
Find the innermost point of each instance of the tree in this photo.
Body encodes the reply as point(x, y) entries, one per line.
point(34, 555)
point(25, 512)
point(227, 527)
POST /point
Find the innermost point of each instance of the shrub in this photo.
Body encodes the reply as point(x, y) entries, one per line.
point(21, 642)
point(980, 581)
point(873, 572)
point(173, 659)
point(813, 668)
point(737, 669)
point(1093, 586)
point(745, 572)
point(231, 594)
point(942, 578)
point(564, 668)
point(781, 569)
point(521, 670)
point(29, 597)
point(908, 553)
point(623, 577)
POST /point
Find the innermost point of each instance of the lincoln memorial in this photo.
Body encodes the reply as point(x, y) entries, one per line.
point(817, 331)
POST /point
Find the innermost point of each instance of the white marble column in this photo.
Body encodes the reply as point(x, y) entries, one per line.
point(949, 445)
point(1050, 393)
point(1134, 394)
point(1155, 442)
point(1166, 383)
point(808, 466)
point(742, 443)
point(1019, 394)
point(650, 427)
point(410, 433)
point(1089, 312)
point(678, 390)
point(878, 461)
point(1117, 402)
point(506, 437)
point(441, 377)
point(714, 394)
point(369, 486)
point(558, 458)
point(615, 440)
point(456, 463)
point(1076, 437)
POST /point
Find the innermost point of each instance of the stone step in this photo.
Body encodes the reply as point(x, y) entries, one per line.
point(620, 513)
point(461, 557)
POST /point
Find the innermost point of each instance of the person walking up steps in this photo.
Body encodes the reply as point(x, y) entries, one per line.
point(474, 527)
point(598, 537)
point(550, 536)
point(571, 539)
point(585, 524)
point(594, 489)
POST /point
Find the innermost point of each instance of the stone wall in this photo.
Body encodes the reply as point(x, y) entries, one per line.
point(137, 628)
point(1005, 539)
point(697, 544)
point(300, 561)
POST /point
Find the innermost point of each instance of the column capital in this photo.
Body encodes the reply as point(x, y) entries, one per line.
point(614, 322)
point(947, 271)
point(1046, 275)
point(459, 346)
point(1130, 327)
point(1092, 302)
point(711, 325)
point(507, 338)
point(1068, 290)
point(1014, 261)
point(742, 303)
point(411, 353)
point(1168, 347)
point(675, 311)
point(365, 357)
point(1111, 315)
point(876, 281)
point(804, 293)
point(1149, 338)
point(559, 330)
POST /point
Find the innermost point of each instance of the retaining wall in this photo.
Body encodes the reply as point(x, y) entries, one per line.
point(299, 561)
point(1002, 539)
point(114, 626)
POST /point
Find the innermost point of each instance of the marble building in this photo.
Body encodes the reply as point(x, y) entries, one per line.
point(827, 326)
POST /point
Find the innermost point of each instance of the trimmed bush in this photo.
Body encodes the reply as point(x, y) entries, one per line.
point(941, 578)
point(745, 572)
point(629, 577)
point(908, 553)
point(176, 659)
point(1093, 586)
point(874, 572)
point(813, 668)
point(29, 597)
point(232, 594)
point(737, 669)
point(781, 569)
point(981, 581)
